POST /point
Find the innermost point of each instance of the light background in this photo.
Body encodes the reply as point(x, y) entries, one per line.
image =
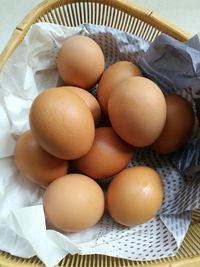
point(183, 13)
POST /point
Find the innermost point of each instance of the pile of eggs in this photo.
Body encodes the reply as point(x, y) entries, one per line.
point(65, 131)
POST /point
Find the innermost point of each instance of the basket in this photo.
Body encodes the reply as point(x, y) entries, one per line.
point(125, 16)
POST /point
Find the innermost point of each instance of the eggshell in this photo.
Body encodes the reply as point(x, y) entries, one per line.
point(80, 61)
point(109, 155)
point(89, 100)
point(137, 111)
point(135, 195)
point(111, 77)
point(178, 126)
point(62, 123)
point(35, 163)
point(73, 202)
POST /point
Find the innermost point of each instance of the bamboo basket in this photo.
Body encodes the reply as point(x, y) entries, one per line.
point(122, 15)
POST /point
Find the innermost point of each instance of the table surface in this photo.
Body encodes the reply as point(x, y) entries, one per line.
point(185, 14)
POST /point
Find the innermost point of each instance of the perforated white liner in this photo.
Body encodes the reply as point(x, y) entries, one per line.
point(30, 70)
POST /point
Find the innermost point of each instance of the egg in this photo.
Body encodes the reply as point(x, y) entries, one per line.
point(73, 203)
point(80, 62)
point(62, 123)
point(178, 126)
point(36, 164)
point(108, 155)
point(135, 195)
point(137, 111)
point(111, 77)
point(89, 100)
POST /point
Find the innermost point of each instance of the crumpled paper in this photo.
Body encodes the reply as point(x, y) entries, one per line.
point(32, 69)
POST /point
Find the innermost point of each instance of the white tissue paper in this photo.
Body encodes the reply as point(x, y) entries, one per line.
point(23, 231)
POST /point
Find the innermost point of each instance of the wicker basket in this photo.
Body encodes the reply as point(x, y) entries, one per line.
point(144, 23)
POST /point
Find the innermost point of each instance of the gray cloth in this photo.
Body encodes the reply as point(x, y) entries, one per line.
point(172, 64)
point(175, 66)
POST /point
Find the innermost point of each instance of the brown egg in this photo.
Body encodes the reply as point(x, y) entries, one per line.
point(109, 155)
point(73, 202)
point(89, 100)
point(62, 123)
point(137, 111)
point(80, 61)
point(35, 163)
point(111, 77)
point(178, 126)
point(135, 195)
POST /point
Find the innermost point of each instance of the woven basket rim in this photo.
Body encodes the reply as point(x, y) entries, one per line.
point(128, 6)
